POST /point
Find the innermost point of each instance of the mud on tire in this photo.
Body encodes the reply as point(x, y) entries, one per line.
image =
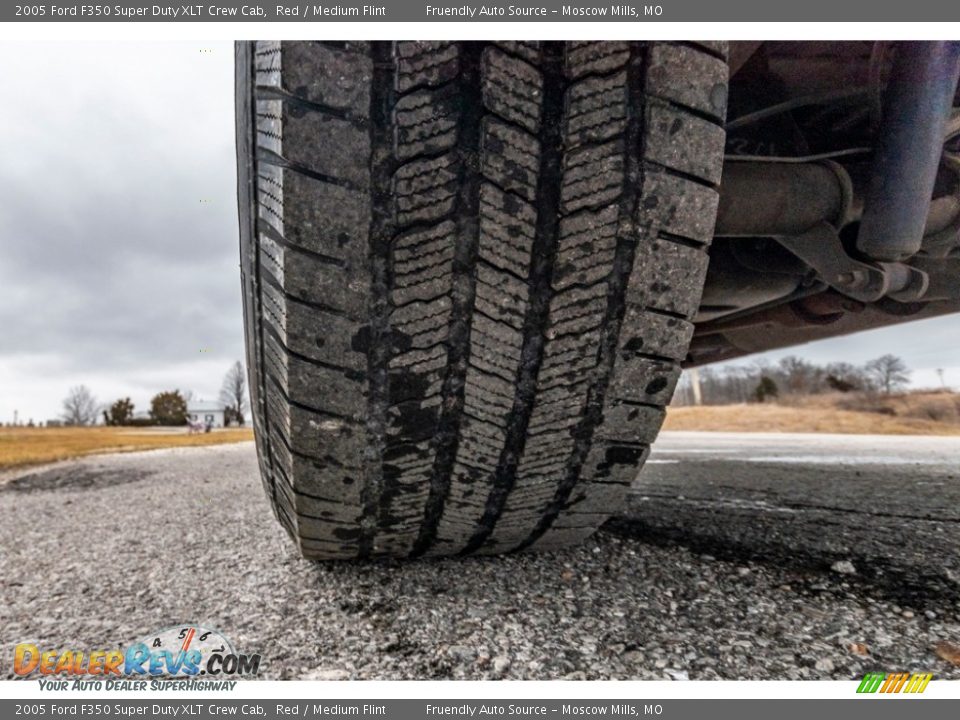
point(469, 271)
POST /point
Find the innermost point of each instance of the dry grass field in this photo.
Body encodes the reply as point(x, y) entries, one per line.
point(22, 446)
point(918, 413)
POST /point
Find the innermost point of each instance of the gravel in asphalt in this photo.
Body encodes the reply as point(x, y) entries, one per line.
point(149, 540)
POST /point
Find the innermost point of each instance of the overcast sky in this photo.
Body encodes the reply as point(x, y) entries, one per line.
point(114, 274)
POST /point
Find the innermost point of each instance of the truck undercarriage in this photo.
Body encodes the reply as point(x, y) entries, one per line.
point(840, 199)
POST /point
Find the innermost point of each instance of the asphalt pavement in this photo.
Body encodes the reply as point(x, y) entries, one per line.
point(889, 506)
point(761, 557)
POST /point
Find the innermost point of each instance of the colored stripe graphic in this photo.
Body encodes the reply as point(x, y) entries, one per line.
point(870, 683)
point(894, 682)
point(900, 682)
point(918, 683)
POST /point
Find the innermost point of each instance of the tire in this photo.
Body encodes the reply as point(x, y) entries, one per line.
point(469, 271)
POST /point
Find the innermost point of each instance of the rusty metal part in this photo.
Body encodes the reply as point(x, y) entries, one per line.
point(776, 198)
point(747, 273)
point(822, 308)
point(943, 276)
point(770, 198)
point(944, 224)
point(731, 343)
point(820, 248)
point(944, 212)
point(905, 283)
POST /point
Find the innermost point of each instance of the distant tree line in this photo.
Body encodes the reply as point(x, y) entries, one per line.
point(169, 407)
point(166, 408)
point(765, 381)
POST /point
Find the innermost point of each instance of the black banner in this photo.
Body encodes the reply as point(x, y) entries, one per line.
point(519, 11)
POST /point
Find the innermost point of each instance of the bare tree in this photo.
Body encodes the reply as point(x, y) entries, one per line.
point(79, 407)
point(233, 393)
point(845, 377)
point(799, 375)
point(889, 372)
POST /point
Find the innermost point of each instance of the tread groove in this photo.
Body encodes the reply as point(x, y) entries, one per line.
point(546, 240)
point(696, 179)
point(341, 113)
point(616, 305)
point(268, 157)
point(382, 229)
point(258, 368)
point(447, 434)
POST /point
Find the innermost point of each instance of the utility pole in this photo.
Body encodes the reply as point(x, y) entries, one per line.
point(695, 386)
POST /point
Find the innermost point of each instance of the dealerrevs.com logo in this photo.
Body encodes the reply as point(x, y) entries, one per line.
point(182, 653)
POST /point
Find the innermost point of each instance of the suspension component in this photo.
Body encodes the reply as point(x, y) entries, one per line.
point(916, 107)
point(820, 248)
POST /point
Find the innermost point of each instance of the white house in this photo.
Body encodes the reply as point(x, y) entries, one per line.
point(206, 413)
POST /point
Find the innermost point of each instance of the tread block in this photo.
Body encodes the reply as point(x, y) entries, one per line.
point(425, 189)
point(426, 63)
point(529, 50)
point(323, 336)
point(326, 437)
point(678, 206)
point(592, 176)
point(577, 310)
point(597, 109)
point(317, 73)
point(510, 157)
point(650, 333)
point(304, 377)
point(413, 421)
point(610, 462)
point(644, 380)
point(595, 57)
point(423, 264)
point(421, 324)
point(336, 158)
point(426, 122)
point(325, 219)
point(682, 141)
point(689, 77)
point(501, 296)
point(632, 424)
point(668, 276)
point(506, 230)
point(588, 241)
point(512, 89)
